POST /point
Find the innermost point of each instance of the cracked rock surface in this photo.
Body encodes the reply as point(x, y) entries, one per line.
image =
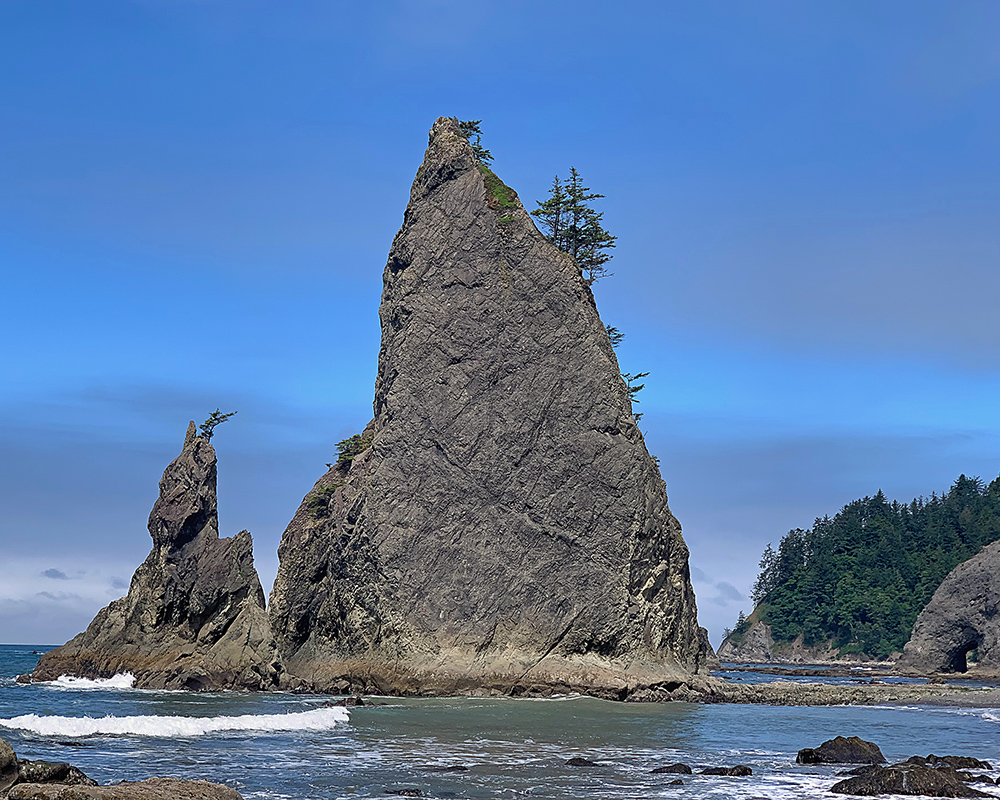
point(506, 530)
point(194, 616)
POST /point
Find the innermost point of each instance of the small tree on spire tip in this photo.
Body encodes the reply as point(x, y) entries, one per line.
point(216, 418)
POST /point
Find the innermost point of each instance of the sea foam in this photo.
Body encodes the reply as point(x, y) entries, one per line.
point(319, 719)
point(124, 680)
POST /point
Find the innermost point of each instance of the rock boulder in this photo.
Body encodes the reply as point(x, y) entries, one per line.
point(842, 750)
point(907, 780)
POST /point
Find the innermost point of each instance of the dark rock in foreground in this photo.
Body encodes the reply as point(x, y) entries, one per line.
point(51, 772)
point(45, 780)
point(578, 761)
point(907, 779)
point(501, 526)
point(151, 789)
point(842, 750)
point(8, 766)
point(957, 762)
point(739, 771)
point(673, 769)
point(194, 615)
point(963, 614)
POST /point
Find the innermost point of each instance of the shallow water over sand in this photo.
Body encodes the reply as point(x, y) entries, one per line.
point(288, 746)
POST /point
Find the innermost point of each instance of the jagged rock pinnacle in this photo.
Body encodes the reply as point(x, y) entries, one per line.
point(194, 615)
point(506, 529)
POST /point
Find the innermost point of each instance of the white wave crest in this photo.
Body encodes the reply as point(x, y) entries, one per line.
point(991, 716)
point(124, 680)
point(320, 719)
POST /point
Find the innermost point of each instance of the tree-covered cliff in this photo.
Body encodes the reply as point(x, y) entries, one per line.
point(860, 578)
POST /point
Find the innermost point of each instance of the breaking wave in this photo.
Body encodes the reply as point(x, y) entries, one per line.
point(124, 680)
point(319, 719)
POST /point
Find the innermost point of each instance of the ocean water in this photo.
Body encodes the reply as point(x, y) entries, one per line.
point(292, 746)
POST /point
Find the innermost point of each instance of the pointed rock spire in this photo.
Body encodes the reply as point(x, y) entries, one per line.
point(194, 615)
point(506, 528)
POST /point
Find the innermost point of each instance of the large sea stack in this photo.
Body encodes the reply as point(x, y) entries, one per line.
point(963, 615)
point(194, 615)
point(503, 526)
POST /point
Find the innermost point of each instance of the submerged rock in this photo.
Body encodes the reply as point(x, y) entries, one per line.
point(962, 615)
point(194, 615)
point(500, 525)
point(578, 761)
point(906, 779)
point(842, 750)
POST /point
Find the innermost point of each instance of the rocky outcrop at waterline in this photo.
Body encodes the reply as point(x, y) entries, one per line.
point(194, 615)
point(503, 526)
point(963, 615)
point(149, 789)
point(25, 779)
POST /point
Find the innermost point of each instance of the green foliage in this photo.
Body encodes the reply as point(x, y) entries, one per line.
point(735, 635)
point(318, 504)
point(633, 388)
point(216, 418)
point(352, 447)
point(470, 128)
point(571, 224)
point(502, 194)
point(615, 335)
point(860, 578)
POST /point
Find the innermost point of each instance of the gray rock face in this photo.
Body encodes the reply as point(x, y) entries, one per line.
point(194, 615)
point(963, 614)
point(754, 646)
point(506, 529)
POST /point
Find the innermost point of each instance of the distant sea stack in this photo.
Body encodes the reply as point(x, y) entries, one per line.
point(194, 615)
point(501, 526)
point(963, 615)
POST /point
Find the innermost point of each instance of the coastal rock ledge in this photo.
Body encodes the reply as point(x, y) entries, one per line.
point(194, 615)
point(500, 526)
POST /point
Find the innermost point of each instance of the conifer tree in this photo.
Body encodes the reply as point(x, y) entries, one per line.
point(216, 418)
point(572, 225)
point(470, 128)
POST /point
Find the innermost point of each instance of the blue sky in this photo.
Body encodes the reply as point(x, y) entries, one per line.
point(197, 198)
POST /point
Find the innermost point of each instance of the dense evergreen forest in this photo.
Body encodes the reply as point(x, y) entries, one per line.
point(860, 579)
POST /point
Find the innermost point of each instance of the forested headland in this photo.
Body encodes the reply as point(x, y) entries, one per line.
point(859, 579)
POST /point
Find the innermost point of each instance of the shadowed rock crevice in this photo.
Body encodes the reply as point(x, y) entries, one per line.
point(194, 614)
point(507, 527)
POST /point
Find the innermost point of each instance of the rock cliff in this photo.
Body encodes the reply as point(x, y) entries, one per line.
point(505, 529)
point(755, 645)
point(194, 615)
point(963, 614)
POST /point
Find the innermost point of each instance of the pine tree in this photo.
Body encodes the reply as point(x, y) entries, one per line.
point(569, 222)
point(470, 128)
point(216, 418)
